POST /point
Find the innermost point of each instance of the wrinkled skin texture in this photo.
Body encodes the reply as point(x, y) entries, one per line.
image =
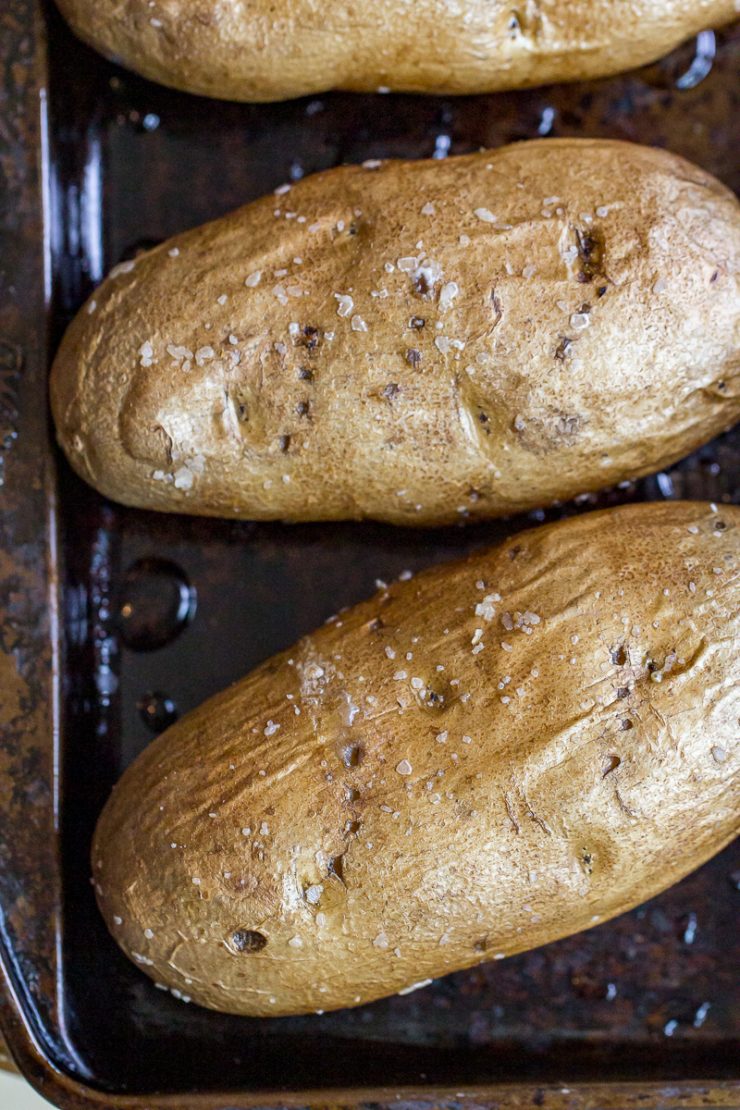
point(258, 50)
point(587, 336)
point(346, 821)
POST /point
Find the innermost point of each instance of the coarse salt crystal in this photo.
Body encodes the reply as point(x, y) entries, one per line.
point(203, 354)
point(415, 986)
point(447, 295)
point(485, 215)
point(183, 478)
point(345, 304)
point(358, 324)
point(270, 728)
point(121, 268)
point(253, 279)
point(444, 344)
point(404, 767)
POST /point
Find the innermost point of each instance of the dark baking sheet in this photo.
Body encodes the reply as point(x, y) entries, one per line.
point(116, 620)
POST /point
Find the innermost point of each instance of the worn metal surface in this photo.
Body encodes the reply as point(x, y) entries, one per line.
point(159, 612)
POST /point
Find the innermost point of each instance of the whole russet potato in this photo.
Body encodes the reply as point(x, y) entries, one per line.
point(495, 754)
point(262, 51)
point(418, 342)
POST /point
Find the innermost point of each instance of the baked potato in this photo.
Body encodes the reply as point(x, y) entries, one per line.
point(238, 51)
point(418, 342)
point(494, 754)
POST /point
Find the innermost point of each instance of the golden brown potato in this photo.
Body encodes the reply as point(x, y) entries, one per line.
point(417, 342)
point(495, 754)
point(218, 48)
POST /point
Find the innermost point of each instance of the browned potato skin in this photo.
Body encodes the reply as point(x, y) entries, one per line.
point(280, 420)
point(601, 767)
point(271, 52)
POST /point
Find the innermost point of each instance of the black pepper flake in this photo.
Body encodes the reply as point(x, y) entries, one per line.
point(601, 290)
point(417, 322)
point(302, 408)
point(563, 349)
point(305, 374)
point(248, 940)
point(335, 866)
point(309, 338)
point(391, 390)
point(284, 442)
point(413, 357)
point(590, 246)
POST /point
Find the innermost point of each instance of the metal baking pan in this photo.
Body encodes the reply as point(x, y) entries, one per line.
point(112, 621)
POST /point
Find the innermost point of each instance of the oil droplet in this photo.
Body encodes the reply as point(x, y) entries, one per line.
point(157, 711)
point(156, 603)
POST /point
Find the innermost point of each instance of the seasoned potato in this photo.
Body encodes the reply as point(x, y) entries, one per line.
point(218, 48)
point(495, 754)
point(416, 342)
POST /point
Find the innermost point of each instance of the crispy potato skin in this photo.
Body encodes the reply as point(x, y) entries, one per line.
point(580, 312)
point(373, 821)
point(260, 51)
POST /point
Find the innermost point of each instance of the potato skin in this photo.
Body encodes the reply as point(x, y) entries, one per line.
point(373, 820)
point(580, 311)
point(216, 48)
